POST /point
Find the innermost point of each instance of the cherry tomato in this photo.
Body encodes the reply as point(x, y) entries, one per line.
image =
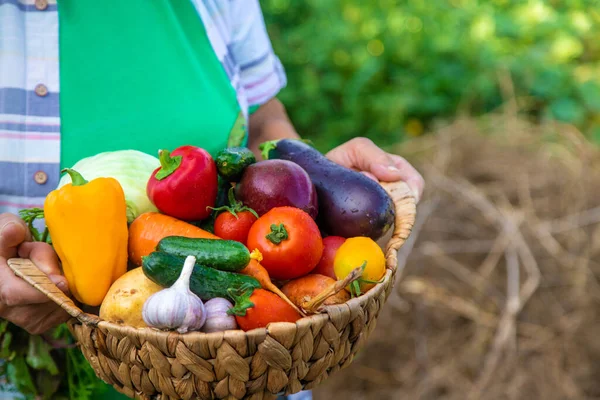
point(268, 307)
point(289, 240)
point(330, 246)
point(234, 227)
point(356, 252)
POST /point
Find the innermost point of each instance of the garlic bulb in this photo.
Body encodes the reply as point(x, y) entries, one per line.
point(176, 307)
point(217, 319)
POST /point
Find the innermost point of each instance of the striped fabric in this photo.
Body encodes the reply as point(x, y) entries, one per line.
point(30, 118)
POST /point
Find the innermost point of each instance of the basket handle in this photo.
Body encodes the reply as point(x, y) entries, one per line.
point(26, 269)
point(406, 211)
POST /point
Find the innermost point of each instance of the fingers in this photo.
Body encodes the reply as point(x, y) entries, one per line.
point(410, 175)
point(363, 155)
point(13, 232)
point(36, 319)
point(44, 257)
point(55, 317)
point(14, 291)
point(24, 305)
point(369, 175)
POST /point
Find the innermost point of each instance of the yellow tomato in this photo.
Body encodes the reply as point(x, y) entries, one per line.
point(354, 253)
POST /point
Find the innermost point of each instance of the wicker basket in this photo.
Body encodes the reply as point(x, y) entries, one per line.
point(259, 364)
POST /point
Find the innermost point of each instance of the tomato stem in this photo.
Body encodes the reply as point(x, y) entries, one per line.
point(235, 206)
point(368, 281)
point(278, 234)
point(241, 297)
point(355, 289)
point(355, 286)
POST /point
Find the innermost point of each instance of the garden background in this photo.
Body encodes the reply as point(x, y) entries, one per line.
point(390, 69)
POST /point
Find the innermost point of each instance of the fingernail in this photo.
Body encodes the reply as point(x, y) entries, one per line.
point(393, 168)
point(415, 192)
point(62, 285)
point(416, 195)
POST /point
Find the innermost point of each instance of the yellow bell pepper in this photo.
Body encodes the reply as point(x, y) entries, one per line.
point(87, 222)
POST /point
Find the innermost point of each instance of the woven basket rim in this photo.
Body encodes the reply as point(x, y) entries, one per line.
point(174, 336)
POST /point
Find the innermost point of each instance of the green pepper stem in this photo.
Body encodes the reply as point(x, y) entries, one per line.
point(76, 177)
point(168, 164)
point(278, 234)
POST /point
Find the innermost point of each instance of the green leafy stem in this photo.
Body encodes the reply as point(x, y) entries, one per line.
point(29, 215)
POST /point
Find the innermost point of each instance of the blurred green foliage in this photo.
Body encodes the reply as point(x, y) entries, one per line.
point(387, 69)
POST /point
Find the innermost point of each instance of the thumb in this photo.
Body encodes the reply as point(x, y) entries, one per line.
point(60, 282)
point(44, 257)
point(13, 232)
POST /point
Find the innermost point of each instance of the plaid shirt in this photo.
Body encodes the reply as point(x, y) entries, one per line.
point(29, 85)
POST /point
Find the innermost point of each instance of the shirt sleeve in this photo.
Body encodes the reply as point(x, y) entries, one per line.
point(261, 74)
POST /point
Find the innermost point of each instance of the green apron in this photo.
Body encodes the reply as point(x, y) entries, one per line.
point(139, 74)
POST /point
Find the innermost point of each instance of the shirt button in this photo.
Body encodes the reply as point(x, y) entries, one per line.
point(41, 4)
point(40, 177)
point(41, 90)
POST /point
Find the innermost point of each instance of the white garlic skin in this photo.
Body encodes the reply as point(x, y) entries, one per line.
point(176, 307)
point(171, 309)
point(217, 319)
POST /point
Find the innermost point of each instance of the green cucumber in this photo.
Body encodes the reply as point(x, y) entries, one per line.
point(232, 161)
point(207, 283)
point(225, 255)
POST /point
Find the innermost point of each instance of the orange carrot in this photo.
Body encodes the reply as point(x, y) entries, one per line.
point(149, 228)
point(259, 272)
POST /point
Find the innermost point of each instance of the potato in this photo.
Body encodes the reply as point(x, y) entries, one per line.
point(126, 297)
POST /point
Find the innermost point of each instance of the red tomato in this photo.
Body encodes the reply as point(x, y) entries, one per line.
point(289, 240)
point(230, 227)
point(268, 307)
point(330, 246)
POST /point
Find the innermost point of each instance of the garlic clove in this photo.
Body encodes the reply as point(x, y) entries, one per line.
point(217, 319)
point(176, 307)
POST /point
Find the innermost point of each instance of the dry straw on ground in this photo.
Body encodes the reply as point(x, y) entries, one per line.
point(500, 295)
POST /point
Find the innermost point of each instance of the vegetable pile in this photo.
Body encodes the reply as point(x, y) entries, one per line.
point(185, 242)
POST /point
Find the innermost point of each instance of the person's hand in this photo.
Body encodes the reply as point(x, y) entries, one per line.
point(20, 303)
point(361, 154)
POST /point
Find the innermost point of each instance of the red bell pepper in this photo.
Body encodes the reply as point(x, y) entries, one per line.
point(185, 185)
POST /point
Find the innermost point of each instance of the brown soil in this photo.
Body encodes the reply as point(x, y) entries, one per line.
point(500, 295)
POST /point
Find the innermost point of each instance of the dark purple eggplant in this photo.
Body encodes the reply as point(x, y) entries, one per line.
point(277, 183)
point(350, 204)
